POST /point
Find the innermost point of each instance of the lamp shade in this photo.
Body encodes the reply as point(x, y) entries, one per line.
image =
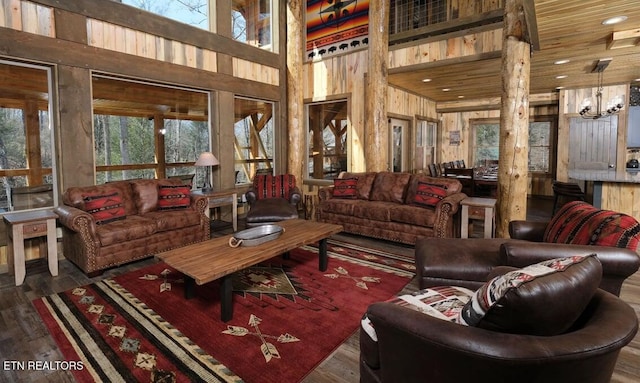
point(207, 159)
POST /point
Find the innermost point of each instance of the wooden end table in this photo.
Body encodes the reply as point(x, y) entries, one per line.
point(220, 198)
point(206, 261)
point(483, 208)
point(25, 225)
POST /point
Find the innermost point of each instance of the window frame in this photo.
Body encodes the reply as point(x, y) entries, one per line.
point(553, 123)
point(35, 174)
point(346, 145)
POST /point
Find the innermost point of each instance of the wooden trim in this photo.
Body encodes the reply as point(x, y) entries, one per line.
point(34, 47)
point(493, 103)
point(70, 26)
point(137, 19)
point(456, 60)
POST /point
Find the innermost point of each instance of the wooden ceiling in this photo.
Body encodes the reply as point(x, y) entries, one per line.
point(567, 29)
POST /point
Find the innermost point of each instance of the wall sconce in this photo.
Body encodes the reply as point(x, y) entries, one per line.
point(207, 159)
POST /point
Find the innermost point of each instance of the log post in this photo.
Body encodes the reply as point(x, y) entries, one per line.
point(376, 131)
point(514, 119)
point(296, 148)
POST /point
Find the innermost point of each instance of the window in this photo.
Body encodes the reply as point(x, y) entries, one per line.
point(425, 150)
point(192, 12)
point(327, 139)
point(254, 138)
point(251, 22)
point(487, 138)
point(26, 138)
point(143, 130)
point(250, 19)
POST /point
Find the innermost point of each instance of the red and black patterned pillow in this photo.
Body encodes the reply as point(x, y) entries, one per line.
point(345, 188)
point(429, 194)
point(580, 223)
point(270, 186)
point(172, 197)
point(542, 299)
point(105, 207)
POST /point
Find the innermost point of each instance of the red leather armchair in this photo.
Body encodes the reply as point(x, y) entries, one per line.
point(272, 199)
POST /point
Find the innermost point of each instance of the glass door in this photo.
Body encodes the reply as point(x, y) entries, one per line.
point(399, 145)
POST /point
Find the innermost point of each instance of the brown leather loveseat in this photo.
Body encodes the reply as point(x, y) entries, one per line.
point(118, 222)
point(398, 207)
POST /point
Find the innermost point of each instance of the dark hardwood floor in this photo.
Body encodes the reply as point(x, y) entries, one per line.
point(23, 337)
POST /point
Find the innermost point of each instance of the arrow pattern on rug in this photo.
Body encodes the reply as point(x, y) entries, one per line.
point(341, 272)
point(166, 285)
point(269, 350)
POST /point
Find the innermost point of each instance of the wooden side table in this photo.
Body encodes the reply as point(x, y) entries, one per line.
point(486, 208)
point(25, 225)
point(222, 198)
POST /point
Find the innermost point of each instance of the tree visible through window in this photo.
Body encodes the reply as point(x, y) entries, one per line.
point(487, 140)
point(327, 139)
point(147, 131)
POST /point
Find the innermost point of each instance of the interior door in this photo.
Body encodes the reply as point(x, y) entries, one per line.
point(399, 145)
point(593, 143)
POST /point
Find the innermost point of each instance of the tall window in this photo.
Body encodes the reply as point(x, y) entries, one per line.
point(487, 139)
point(425, 150)
point(254, 138)
point(143, 130)
point(27, 178)
point(327, 139)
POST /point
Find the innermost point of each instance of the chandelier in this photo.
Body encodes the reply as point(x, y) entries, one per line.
point(613, 107)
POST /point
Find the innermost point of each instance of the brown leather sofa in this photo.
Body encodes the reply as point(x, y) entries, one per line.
point(144, 230)
point(393, 206)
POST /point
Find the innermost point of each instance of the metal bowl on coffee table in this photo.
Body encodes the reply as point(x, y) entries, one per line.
point(256, 235)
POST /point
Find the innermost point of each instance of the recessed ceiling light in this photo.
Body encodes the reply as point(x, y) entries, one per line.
point(460, 96)
point(426, 80)
point(559, 87)
point(560, 62)
point(446, 89)
point(638, 79)
point(614, 20)
point(562, 76)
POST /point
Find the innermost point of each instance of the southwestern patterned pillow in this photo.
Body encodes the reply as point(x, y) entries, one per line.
point(429, 194)
point(106, 207)
point(580, 223)
point(172, 197)
point(541, 299)
point(270, 186)
point(345, 188)
point(443, 302)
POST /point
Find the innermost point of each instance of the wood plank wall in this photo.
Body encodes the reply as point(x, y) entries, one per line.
point(472, 44)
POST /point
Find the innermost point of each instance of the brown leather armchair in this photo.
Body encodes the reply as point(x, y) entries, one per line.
point(272, 199)
point(414, 347)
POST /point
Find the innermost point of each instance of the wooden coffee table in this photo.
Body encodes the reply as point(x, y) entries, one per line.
point(206, 261)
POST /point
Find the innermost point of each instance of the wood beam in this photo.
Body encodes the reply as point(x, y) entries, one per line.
point(514, 120)
point(296, 128)
point(493, 103)
point(376, 132)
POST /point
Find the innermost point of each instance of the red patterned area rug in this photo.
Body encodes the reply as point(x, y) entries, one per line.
point(288, 317)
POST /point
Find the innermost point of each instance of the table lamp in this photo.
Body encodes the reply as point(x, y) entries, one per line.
point(207, 159)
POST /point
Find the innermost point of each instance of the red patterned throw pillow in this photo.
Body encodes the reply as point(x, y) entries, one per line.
point(429, 194)
point(345, 188)
point(580, 223)
point(106, 207)
point(171, 197)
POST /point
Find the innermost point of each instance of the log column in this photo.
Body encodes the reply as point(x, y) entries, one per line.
point(295, 101)
point(376, 125)
point(514, 119)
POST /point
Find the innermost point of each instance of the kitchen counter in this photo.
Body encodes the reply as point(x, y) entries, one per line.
point(629, 175)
